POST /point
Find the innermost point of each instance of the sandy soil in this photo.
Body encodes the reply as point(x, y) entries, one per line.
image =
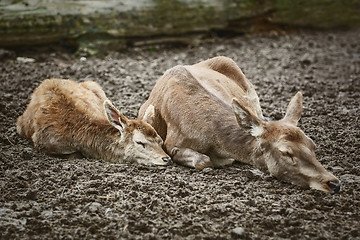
point(44, 197)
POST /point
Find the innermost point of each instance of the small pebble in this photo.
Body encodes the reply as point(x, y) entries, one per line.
point(25, 60)
point(238, 231)
point(207, 169)
point(94, 206)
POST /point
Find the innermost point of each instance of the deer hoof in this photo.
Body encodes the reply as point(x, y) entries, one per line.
point(203, 162)
point(174, 151)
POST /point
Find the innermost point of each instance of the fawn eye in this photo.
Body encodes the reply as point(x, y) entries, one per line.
point(141, 143)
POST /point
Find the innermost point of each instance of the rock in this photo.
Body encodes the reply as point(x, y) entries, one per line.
point(207, 170)
point(257, 172)
point(25, 60)
point(289, 211)
point(307, 59)
point(47, 213)
point(94, 207)
point(238, 231)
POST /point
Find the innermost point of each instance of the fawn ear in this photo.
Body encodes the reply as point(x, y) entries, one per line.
point(115, 117)
point(247, 119)
point(294, 109)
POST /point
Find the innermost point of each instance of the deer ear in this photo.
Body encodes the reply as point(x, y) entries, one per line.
point(149, 115)
point(294, 109)
point(115, 117)
point(247, 120)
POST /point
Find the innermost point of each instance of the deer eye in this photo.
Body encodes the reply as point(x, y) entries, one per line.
point(141, 143)
point(289, 156)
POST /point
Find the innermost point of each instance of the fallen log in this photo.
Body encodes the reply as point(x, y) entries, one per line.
point(115, 24)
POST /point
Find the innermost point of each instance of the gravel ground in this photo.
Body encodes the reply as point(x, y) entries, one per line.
point(44, 197)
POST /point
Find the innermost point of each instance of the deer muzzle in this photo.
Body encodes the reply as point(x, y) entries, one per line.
point(168, 160)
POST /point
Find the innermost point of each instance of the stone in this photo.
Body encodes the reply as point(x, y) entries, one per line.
point(94, 207)
point(238, 231)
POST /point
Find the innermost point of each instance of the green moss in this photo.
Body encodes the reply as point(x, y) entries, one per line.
point(317, 13)
point(97, 27)
point(93, 44)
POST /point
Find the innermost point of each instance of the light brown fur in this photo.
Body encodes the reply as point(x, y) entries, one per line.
point(65, 118)
point(209, 115)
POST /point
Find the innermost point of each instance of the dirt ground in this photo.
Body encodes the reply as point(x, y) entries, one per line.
point(45, 197)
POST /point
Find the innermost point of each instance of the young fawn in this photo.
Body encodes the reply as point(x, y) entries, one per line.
point(69, 118)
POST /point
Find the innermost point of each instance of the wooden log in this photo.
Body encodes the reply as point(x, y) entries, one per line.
point(116, 23)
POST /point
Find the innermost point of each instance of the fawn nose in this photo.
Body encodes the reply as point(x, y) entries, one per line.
point(334, 186)
point(168, 160)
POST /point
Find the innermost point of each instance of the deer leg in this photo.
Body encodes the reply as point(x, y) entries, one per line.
point(190, 158)
point(75, 155)
point(52, 145)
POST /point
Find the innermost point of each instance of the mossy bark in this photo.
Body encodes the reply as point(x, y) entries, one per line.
point(112, 24)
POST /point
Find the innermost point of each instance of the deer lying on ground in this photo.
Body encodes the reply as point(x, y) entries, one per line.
point(209, 115)
point(69, 118)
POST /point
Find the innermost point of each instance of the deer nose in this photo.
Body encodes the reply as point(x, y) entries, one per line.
point(334, 186)
point(168, 160)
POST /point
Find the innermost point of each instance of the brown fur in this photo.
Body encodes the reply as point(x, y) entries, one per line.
point(144, 129)
point(209, 115)
point(65, 117)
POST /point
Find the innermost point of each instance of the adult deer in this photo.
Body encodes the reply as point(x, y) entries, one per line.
point(69, 118)
point(209, 116)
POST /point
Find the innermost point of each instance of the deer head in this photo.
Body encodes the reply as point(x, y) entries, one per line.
point(138, 140)
point(283, 149)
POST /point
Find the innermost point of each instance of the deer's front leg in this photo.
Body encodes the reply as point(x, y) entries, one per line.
point(190, 158)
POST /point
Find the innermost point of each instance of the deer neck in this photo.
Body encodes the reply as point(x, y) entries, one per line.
point(102, 141)
point(241, 146)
